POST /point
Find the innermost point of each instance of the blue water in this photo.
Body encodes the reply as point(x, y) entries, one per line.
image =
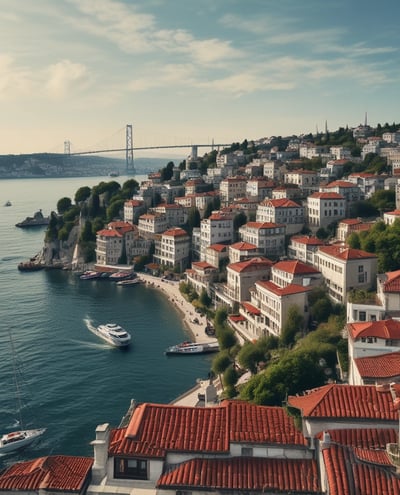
point(74, 381)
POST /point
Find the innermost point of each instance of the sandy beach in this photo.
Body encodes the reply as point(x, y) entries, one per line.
point(171, 290)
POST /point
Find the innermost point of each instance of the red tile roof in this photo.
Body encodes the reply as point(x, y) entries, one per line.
point(349, 473)
point(341, 183)
point(379, 367)
point(243, 246)
point(175, 232)
point(155, 429)
point(51, 473)
point(250, 308)
point(383, 329)
point(346, 401)
point(263, 225)
point(251, 265)
point(392, 281)
point(248, 474)
point(282, 291)
point(326, 195)
point(364, 438)
point(344, 253)
point(109, 233)
point(350, 221)
point(395, 213)
point(218, 247)
point(309, 241)
point(280, 203)
point(295, 267)
point(202, 264)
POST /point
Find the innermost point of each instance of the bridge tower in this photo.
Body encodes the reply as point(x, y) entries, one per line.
point(130, 167)
point(67, 147)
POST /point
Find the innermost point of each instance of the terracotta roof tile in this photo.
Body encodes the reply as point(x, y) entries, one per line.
point(155, 429)
point(295, 267)
point(372, 438)
point(326, 195)
point(310, 241)
point(346, 401)
point(51, 473)
point(263, 225)
point(392, 282)
point(282, 291)
point(348, 473)
point(378, 367)
point(280, 203)
point(250, 265)
point(250, 308)
point(218, 247)
point(243, 246)
point(109, 233)
point(248, 474)
point(345, 253)
point(383, 329)
point(175, 232)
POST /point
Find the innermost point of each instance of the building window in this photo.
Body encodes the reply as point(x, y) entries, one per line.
point(362, 316)
point(135, 469)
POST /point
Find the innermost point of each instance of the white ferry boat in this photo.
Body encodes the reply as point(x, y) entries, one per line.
point(113, 334)
point(188, 348)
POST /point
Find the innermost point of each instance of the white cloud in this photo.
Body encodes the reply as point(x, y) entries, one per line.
point(14, 80)
point(65, 77)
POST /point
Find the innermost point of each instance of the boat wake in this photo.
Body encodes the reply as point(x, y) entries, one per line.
point(92, 328)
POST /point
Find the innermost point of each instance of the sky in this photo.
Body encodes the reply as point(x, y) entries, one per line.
point(192, 72)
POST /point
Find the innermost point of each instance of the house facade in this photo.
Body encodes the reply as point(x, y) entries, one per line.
point(282, 211)
point(172, 249)
point(267, 236)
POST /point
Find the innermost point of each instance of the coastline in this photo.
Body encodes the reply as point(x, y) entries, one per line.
point(196, 331)
point(171, 290)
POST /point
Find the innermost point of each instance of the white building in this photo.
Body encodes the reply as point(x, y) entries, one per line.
point(306, 180)
point(345, 269)
point(232, 188)
point(115, 241)
point(267, 236)
point(217, 229)
point(282, 211)
point(172, 249)
point(325, 208)
point(151, 224)
point(304, 248)
point(133, 208)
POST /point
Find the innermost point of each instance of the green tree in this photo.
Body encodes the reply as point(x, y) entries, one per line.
point(294, 324)
point(221, 362)
point(204, 298)
point(63, 205)
point(82, 194)
point(194, 219)
point(249, 356)
point(87, 232)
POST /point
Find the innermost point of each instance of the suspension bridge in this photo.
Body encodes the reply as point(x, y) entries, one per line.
point(129, 149)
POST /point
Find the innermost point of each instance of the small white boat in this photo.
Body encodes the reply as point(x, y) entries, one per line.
point(16, 440)
point(113, 334)
point(128, 282)
point(188, 348)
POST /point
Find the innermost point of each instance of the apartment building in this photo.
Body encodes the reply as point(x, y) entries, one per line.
point(259, 188)
point(115, 241)
point(175, 214)
point(232, 188)
point(267, 236)
point(304, 248)
point(350, 225)
point(133, 208)
point(324, 208)
point(269, 307)
point(282, 211)
point(217, 229)
point(172, 249)
point(306, 180)
point(367, 183)
point(345, 269)
point(240, 251)
point(152, 224)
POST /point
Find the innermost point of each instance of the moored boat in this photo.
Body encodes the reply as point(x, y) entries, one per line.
point(188, 348)
point(38, 220)
point(128, 282)
point(30, 266)
point(122, 275)
point(114, 334)
point(90, 275)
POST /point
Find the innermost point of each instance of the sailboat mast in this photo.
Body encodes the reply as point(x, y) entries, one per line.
point(16, 382)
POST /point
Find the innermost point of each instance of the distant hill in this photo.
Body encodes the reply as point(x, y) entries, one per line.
point(59, 165)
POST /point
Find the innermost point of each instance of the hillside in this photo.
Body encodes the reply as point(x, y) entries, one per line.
point(59, 165)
